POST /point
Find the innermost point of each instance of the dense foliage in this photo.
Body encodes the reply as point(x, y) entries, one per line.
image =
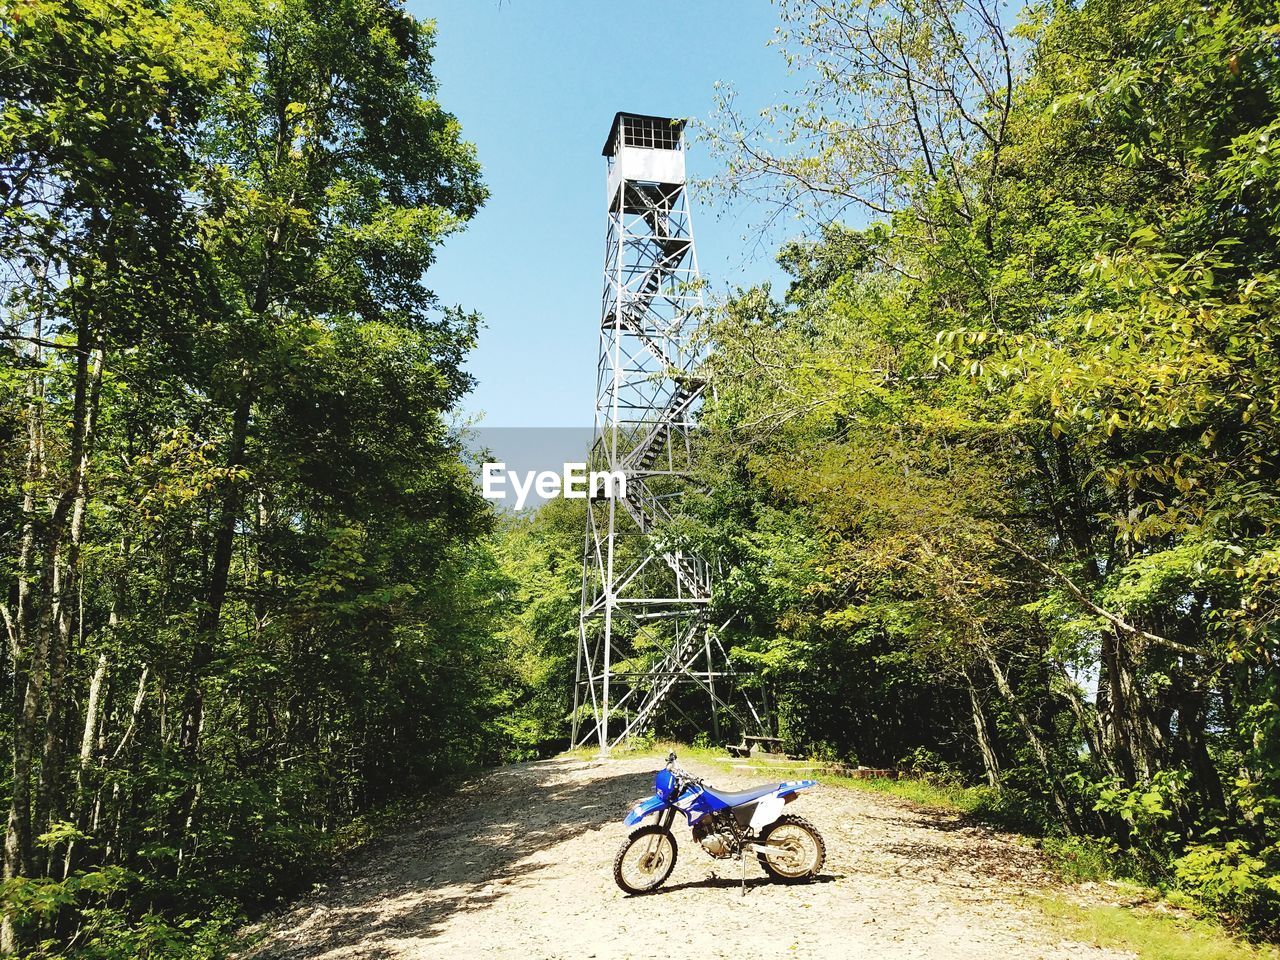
point(244, 589)
point(998, 477)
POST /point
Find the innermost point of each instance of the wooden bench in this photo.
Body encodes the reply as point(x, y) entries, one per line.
point(748, 743)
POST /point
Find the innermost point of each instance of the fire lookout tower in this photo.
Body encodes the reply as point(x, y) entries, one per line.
point(645, 622)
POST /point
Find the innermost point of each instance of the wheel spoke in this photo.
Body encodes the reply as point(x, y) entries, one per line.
point(791, 850)
point(646, 862)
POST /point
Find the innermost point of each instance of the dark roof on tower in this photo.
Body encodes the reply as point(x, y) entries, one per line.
point(617, 118)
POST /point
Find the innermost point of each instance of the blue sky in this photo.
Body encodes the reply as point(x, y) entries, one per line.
point(535, 84)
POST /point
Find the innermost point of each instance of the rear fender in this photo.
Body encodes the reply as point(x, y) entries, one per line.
point(788, 790)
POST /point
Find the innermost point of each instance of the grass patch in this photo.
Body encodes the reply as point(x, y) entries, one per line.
point(939, 796)
point(1079, 860)
point(1088, 859)
point(1149, 934)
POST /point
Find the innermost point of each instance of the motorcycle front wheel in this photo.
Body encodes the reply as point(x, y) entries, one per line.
point(791, 850)
point(646, 859)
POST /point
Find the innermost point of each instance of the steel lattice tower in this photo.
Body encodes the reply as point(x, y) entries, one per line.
point(644, 624)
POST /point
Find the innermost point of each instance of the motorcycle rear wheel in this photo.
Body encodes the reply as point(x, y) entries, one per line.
point(793, 850)
point(645, 860)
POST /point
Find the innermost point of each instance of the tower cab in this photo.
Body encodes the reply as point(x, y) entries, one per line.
point(646, 156)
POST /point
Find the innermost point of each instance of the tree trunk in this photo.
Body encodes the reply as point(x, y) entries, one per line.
point(986, 746)
point(37, 710)
point(1090, 724)
point(92, 719)
point(17, 842)
point(50, 803)
point(219, 572)
point(209, 626)
point(1139, 742)
point(1033, 738)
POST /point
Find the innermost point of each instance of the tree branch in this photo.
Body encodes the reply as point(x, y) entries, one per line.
point(1114, 619)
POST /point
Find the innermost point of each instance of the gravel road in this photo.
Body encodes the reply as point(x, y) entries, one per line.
point(518, 864)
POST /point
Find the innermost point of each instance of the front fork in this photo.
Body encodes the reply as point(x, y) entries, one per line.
point(665, 818)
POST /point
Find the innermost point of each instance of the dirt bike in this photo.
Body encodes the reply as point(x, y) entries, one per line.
point(727, 824)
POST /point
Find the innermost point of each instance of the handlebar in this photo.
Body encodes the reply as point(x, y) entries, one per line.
point(683, 775)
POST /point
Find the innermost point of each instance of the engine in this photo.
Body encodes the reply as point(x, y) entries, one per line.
point(717, 839)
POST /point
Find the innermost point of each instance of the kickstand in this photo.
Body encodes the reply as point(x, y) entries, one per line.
point(743, 858)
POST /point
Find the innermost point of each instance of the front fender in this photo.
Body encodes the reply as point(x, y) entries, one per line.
point(644, 808)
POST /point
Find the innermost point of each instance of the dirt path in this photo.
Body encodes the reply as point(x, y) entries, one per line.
point(519, 864)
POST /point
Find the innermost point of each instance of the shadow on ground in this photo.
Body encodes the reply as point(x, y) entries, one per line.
point(732, 882)
point(482, 843)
